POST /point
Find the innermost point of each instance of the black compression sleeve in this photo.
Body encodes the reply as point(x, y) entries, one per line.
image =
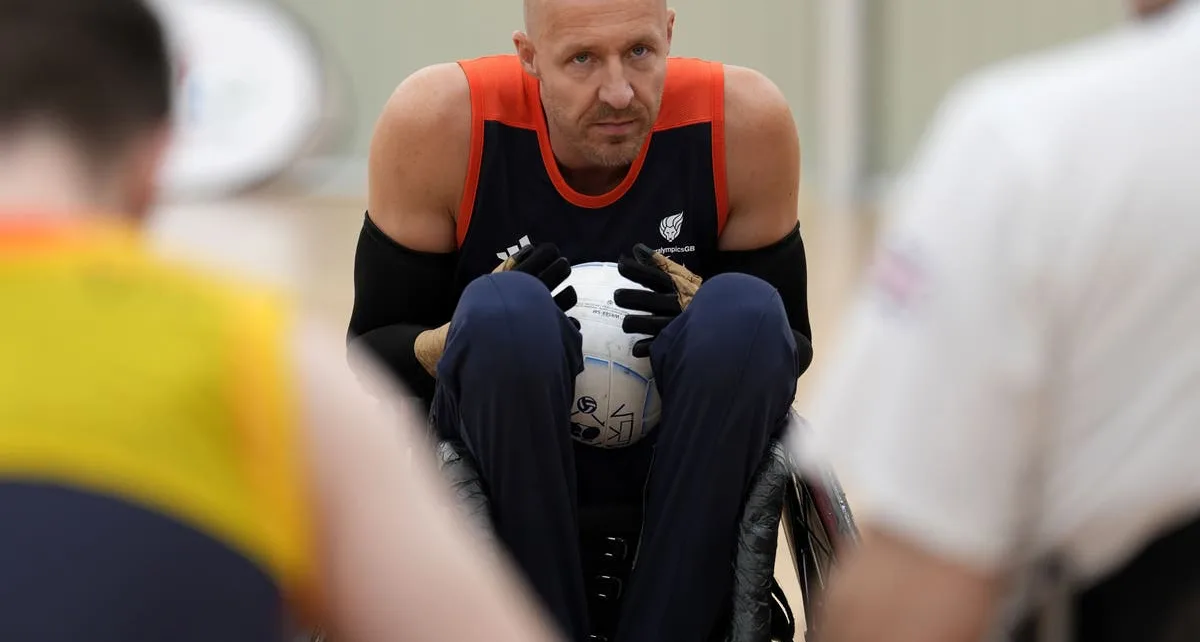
point(783, 265)
point(399, 293)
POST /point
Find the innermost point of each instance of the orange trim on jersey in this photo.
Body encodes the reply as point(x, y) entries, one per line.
point(22, 230)
point(29, 232)
point(720, 175)
point(467, 205)
point(688, 93)
point(506, 93)
point(502, 92)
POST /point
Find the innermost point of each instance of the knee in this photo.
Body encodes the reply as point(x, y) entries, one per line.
point(744, 308)
point(736, 319)
point(742, 290)
point(508, 320)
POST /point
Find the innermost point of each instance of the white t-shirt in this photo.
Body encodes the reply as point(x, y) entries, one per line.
point(1026, 351)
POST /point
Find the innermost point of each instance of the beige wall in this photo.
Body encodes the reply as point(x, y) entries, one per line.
point(378, 42)
point(916, 49)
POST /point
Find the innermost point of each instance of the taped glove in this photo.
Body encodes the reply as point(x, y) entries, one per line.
point(542, 260)
point(671, 285)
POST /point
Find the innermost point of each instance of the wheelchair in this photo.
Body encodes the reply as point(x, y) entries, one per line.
point(812, 513)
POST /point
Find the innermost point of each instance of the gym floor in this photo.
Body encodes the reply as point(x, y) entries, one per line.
point(308, 244)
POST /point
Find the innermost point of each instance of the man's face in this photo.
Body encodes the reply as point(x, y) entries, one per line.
point(601, 66)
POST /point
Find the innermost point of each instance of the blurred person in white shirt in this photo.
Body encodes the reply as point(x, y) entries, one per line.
point(1015, 408)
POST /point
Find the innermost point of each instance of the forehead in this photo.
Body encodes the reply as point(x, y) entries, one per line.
point(599, 23)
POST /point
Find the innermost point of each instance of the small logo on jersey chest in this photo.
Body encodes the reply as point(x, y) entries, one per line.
point(671, 226)
point(512, 250)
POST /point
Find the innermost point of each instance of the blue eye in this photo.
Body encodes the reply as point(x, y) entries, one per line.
point(581, 58)
point(640, 51)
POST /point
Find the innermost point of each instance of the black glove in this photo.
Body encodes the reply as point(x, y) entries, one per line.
point(542, 261)
point(671, 285)
point(546, 262)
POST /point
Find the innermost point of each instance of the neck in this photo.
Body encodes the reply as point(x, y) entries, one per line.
point(584, 176)
point(593, 181)
point(40, 175)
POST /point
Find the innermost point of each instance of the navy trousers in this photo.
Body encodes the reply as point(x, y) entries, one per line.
point(726, 370)
point(78, 565)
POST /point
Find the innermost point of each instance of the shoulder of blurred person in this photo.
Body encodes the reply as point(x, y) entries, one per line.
point(1052, 98)
point(1067, 122)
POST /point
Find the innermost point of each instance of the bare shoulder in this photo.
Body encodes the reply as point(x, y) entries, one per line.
point(433, 95)
point(418, 159)
point(762, 160)
point(753, 102)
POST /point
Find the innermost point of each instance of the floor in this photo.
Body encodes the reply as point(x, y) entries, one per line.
point(309, 245)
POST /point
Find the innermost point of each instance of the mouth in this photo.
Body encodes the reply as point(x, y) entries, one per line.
point(617, 127)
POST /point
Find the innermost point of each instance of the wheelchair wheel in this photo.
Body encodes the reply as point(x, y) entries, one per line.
point(819, 525)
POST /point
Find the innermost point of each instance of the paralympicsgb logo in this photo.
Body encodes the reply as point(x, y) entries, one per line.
point(670, 227)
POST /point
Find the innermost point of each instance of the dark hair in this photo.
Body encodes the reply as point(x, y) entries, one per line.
point(97, 69)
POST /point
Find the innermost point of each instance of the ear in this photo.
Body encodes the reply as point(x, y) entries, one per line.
point(525, 52)
point(670, 27)
point(146, 160)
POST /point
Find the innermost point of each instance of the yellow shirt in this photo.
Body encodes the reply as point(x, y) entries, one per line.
point(131, 376)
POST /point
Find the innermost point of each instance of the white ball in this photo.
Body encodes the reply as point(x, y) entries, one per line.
point(616, 399)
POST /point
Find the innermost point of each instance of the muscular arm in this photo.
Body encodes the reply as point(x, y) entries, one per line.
point(762, 157)
point(396, 560)
point(405, 260)
point(762, 234)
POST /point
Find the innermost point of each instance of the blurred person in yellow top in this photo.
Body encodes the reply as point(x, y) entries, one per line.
point(182, 455)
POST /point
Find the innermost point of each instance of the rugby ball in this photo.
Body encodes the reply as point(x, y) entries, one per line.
point(616, 399)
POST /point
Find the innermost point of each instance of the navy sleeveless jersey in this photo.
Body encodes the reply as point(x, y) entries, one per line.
point(673, 199)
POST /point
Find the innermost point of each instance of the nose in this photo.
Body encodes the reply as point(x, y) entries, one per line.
point(615, 90)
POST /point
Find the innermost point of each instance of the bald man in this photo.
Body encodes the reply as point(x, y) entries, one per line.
point(489, 178)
